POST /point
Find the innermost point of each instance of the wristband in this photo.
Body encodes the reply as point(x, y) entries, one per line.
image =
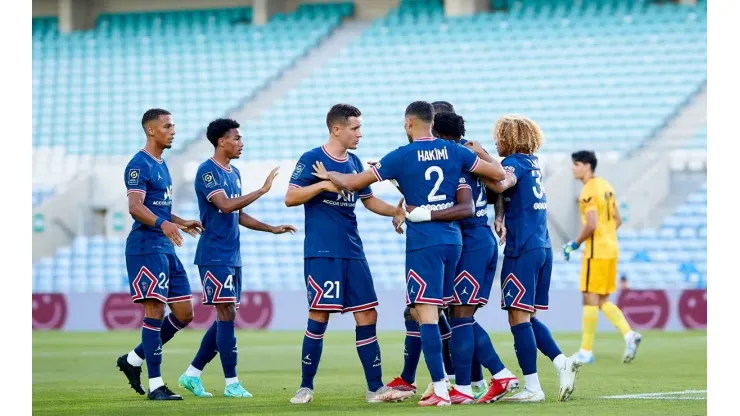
point(419, 214)
point(158, 223)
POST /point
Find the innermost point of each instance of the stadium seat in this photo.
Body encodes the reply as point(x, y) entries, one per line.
point(585, 80)
point(204, 62)
point(572, 66)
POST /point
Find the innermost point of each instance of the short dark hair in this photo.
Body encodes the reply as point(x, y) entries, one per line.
point(421, 110)
point(449, 124)
point(443, 106)
point(218, 129)
point(340, 113)
point(153, 114)
point(585, 156)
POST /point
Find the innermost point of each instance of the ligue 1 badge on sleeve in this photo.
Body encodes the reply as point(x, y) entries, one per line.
point(208, 180)
point(133, 176)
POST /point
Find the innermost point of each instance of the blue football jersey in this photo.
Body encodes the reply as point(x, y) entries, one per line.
point(428, 173)
point(476, 233)
point(149, 176)
point(330, 222)
point(526, 206)
point(219, 244)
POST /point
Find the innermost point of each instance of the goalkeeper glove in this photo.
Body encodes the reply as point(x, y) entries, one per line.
point(569, 248)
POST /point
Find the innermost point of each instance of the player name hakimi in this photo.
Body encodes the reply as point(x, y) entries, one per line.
point(432, 154)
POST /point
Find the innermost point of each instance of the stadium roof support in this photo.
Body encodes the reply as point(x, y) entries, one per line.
point(262, 10)
point(77, 15)
point(466, 7)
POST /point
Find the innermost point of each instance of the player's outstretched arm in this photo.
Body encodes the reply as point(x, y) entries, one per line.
point(299, 195)
point(380, 207)
point(192, 227)
point(141, 213)
point(254, 224)
point(489, 171)
point(385, 209)
point(499, 186)
point(463, 208)
point(479, 151)
point(228, 205)
point(349, 181)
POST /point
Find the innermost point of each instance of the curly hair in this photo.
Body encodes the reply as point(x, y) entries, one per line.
point(518, 134)
point(449, 124)
point(218, 129)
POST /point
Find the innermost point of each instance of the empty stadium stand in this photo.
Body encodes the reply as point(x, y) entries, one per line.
point(605, 74)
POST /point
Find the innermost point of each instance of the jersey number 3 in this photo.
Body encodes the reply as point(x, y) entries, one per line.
point(538, 189)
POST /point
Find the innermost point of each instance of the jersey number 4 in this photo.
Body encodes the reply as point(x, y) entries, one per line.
point(229, 283)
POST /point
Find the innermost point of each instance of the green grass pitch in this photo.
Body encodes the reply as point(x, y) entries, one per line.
point(75, 373)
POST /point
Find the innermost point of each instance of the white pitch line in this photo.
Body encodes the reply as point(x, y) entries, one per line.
point(670, 398)
point(679, 395)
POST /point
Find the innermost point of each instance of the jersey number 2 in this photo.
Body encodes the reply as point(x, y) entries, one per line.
point(164, 282)
point(433, 197)
point(481, 201)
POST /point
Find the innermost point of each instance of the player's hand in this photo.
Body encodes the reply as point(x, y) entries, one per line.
point(500, 229)
point(476, 147)
point(172, 231)
point(282, 229)
point(319, 171)
point(418, 214)
point(568, 248)
point(192, 227)
point(398, 226)
point(271, 177)
point(399, 217)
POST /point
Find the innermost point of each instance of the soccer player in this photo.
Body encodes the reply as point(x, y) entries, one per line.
point(444, 325)
point(427, 171)
point(412, 342)
point(474, 280)
point(156, 276)
point(337, 275)
point(220, 202)
point(525, 275)
point(601, 219)
point(477, 370)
